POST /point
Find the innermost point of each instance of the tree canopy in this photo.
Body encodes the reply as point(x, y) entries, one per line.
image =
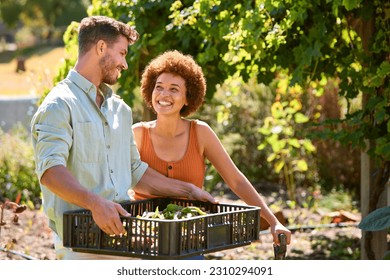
point(309, 40)
point(41, 13)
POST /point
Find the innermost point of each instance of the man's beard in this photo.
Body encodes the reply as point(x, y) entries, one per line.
point(108, 67)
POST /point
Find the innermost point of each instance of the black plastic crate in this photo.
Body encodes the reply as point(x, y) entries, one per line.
point(225, 226)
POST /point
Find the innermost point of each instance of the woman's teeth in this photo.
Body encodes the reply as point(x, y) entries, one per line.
point(164, 103)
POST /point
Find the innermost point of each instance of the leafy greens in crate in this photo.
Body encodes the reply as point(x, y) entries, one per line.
point(174, 212)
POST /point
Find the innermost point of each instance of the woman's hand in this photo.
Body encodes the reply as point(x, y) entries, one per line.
point(278, 229)
point(199, 194)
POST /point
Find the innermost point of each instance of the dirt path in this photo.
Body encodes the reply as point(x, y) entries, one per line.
point(40, 70)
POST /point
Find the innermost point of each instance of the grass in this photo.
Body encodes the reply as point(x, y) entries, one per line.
point(41, 66)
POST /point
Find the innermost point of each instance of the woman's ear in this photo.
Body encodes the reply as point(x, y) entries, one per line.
point(186, 101)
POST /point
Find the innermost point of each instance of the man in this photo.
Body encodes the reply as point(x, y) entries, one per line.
point(83, 140)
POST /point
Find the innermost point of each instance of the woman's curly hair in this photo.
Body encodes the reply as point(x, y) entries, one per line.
point(175, 62)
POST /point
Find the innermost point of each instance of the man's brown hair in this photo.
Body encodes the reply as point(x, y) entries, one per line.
point(95, 28)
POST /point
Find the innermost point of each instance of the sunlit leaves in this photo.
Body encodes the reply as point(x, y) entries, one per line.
point(288, 152)
point(300, 118)
point(377, 79)
point(351, 4)
point(300, 165)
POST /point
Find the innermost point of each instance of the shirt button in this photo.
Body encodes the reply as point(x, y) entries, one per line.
point(106, 123)
point(112, 171)
point(108, 146)
point(170, 167)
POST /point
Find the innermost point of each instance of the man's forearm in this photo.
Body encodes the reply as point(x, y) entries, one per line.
point(61, 182)
point(104, 212)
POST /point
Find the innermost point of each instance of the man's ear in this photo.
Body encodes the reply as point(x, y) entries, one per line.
point(101, 47)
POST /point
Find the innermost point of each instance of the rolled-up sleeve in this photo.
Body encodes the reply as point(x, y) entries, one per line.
point(51, 136)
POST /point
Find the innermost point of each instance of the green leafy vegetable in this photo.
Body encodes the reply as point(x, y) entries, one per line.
point(174, 212)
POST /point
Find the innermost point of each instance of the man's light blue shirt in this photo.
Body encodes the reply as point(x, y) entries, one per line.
point(96, 145)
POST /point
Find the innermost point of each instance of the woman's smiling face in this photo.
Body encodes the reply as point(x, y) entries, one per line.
point(169, 94)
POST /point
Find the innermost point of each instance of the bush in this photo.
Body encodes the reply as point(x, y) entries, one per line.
point(18, 181)
point(235, 113)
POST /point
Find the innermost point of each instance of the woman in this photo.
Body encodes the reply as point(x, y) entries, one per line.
point(173, 85)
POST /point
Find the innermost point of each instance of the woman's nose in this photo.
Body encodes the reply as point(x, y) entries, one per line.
point(165, 92)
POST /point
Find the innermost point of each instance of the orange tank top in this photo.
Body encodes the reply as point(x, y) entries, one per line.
point(191, 168)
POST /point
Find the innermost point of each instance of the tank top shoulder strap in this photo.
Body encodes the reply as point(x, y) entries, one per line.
point(145, 138)
point(194, 135)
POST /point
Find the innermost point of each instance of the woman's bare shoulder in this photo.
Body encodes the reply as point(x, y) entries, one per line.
point(203, 127)
point(140, 125)
point(202, 124)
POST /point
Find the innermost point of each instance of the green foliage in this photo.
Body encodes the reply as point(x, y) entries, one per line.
point(290, 153)
point(335, 200)
point(71, 50)
point(74, 10)
point(261, 38)
point(17, 168)
point(236, 113)
point(10, 11)
point(155, 21)
point(41, 13)
point(377, 220)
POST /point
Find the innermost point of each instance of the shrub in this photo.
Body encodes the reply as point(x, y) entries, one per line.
point(18, 181)
point(236, 112)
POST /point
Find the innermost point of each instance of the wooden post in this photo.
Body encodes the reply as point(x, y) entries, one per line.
point(369, 185)
point(388, 193)
point(379, 238)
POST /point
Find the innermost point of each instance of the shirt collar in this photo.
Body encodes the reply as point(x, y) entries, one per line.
point(88, 87)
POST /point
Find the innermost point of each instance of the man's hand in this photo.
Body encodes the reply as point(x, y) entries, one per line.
point(104, 212)
point(106, 215)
